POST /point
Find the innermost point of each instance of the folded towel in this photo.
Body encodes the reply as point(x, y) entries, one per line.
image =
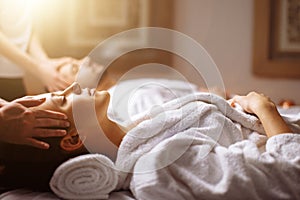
point(85, 177)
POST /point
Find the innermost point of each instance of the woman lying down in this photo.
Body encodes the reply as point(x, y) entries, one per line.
point(196, 146)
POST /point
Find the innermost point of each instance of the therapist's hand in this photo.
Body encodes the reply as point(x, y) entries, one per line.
point(21, 125)
point(49, 70)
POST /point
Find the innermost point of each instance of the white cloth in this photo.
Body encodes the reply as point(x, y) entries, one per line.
point(291, 116)
point(132, 98)
point(199, 147)
point(16, 25)
point(210, 171)
point(25, 194)
point(89, 176)
point(207, 112)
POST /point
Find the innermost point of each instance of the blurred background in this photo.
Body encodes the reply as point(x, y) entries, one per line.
point(225, 28)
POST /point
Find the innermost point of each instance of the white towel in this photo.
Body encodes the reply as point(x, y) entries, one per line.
point(199, 147)
point(209, 113)
point(209, 171)
point(85, 177)
point(132, 97)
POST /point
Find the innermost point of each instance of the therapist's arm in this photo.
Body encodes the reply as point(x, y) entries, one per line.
point(48, 75)
point(53, 65)
point(14, 54)
point(265, 110)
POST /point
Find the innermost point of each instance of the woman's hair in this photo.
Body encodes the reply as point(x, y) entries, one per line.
point(26, 166)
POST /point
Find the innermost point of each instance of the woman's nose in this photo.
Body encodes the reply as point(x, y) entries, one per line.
point(73, 88)
point(76, 88)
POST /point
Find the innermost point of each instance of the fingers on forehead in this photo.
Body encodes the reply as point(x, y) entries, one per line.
point(49, 114)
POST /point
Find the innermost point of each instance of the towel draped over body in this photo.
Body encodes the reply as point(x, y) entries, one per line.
point(198, 146)
point(193, 147)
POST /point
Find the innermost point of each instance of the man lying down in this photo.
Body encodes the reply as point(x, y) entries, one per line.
point(192, 147)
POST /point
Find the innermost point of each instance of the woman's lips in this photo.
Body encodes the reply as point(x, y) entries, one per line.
point(90, 92)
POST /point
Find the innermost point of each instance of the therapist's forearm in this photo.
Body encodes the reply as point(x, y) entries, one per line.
point(36, 50)
point(16, 55)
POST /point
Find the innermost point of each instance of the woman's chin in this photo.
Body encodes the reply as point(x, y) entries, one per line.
point(102, 100)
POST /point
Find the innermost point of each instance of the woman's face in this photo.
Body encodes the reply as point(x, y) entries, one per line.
point(82, 102)
point(62, 101)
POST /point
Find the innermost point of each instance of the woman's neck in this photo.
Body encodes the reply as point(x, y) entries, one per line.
point(112, 131)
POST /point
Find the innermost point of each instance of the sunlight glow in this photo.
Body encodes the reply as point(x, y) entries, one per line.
point(45, 8)
point(37, 4)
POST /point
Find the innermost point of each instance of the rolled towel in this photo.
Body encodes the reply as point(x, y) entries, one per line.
point(91, 176)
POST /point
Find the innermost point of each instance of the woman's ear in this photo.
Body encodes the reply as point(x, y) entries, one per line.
point(71, 142)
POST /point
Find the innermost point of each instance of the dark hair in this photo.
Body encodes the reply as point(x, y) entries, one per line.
point(30, 167)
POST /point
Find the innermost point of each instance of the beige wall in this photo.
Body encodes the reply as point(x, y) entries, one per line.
point(224, 29)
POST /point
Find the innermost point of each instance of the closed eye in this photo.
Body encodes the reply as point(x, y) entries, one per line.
point(59, 100)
